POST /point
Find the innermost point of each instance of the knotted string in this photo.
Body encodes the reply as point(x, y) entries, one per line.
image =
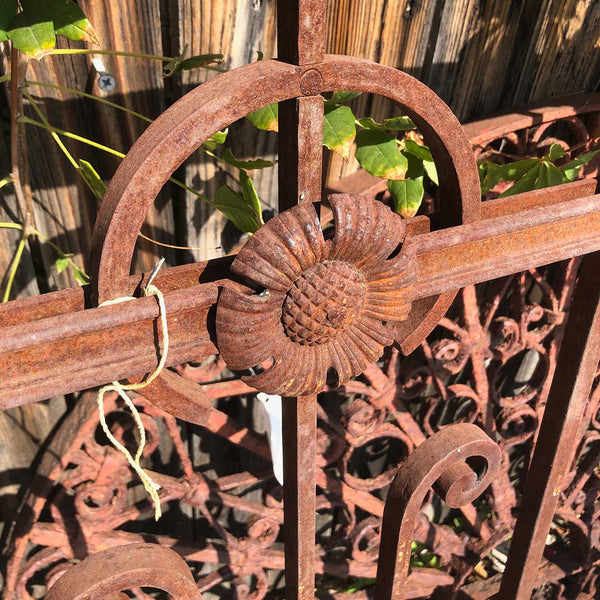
point(149, 484)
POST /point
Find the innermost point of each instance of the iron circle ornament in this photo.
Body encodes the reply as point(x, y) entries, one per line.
point(211, 107)
point(323, 304)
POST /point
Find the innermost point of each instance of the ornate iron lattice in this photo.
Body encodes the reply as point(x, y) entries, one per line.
point(404, 291)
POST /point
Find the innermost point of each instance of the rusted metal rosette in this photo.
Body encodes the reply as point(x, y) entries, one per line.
point(460, 462)
point(211, 107)
point(103, 576)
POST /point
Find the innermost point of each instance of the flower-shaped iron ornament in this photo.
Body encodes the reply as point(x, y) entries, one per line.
point(322, 302)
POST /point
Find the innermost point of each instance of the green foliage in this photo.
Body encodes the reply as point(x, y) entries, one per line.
point(407, 195)
point(249, 165)
point(532, 173)
point(215, 139)
point(244, 209)
point(92, 179)
point(341, 97)
point(339, 129)
point(421, 556)
point(378, 153)
point(182, 63)
point(571, 169)
point(33, 30)
point(359, 584)
point(265, 118)
point(393, 124)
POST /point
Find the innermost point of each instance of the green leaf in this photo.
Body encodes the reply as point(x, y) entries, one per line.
point(257, 163)
point(215, 139)
point(393, 124)
point(417, 150)
point(31, 35)
point(265, 118)
point(415, 166)
point(407, 195)
point(549, 175)
point(378, 153)
point(80, 275)
point(431, 171)
point(251, 197)
point(359, 584)
point(513, 171)
point(526, 183)
point(236, 208)
point(339, 129)
point(555, 152)
point(571, 169)
point(92, 179)
point(194, 62)
point(69, 20)
point(424, 154)
point(8, 11)
point(491, 173)
point(339, 97)
point(62, 263)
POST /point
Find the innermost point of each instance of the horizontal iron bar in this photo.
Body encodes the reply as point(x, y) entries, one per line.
point(52, 344)
point(491, 248)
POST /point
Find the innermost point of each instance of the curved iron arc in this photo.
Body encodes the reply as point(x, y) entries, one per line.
point(104, 575)
point(446, 462)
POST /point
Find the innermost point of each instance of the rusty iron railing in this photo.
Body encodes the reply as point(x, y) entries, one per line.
point(298, 308)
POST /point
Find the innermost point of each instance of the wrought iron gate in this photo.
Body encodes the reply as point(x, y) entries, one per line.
point(301, 308)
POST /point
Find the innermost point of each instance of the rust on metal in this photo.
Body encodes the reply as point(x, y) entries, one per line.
point(306, 309)
point(322, 304)
point(441, 461)
point(104, 575)
point(554, 452)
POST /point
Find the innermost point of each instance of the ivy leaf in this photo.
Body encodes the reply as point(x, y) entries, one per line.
point(393, 124)
point(69, 20)
point(215, 139)
point(378, 153)
point(339, 129)
point(92, 179)
point(8, 11)
point(339, 97)
point(236, 207)
point(249, 165)
point(407, 195)
point(31, 35)
point(571, 170)
point(265, 118)
point(555, 152)
point(62, 263)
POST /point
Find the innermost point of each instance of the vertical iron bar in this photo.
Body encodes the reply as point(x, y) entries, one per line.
point(559, 434)
point(300, 150)
point(301, 37)
point(299, 495)
point(301, 31)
